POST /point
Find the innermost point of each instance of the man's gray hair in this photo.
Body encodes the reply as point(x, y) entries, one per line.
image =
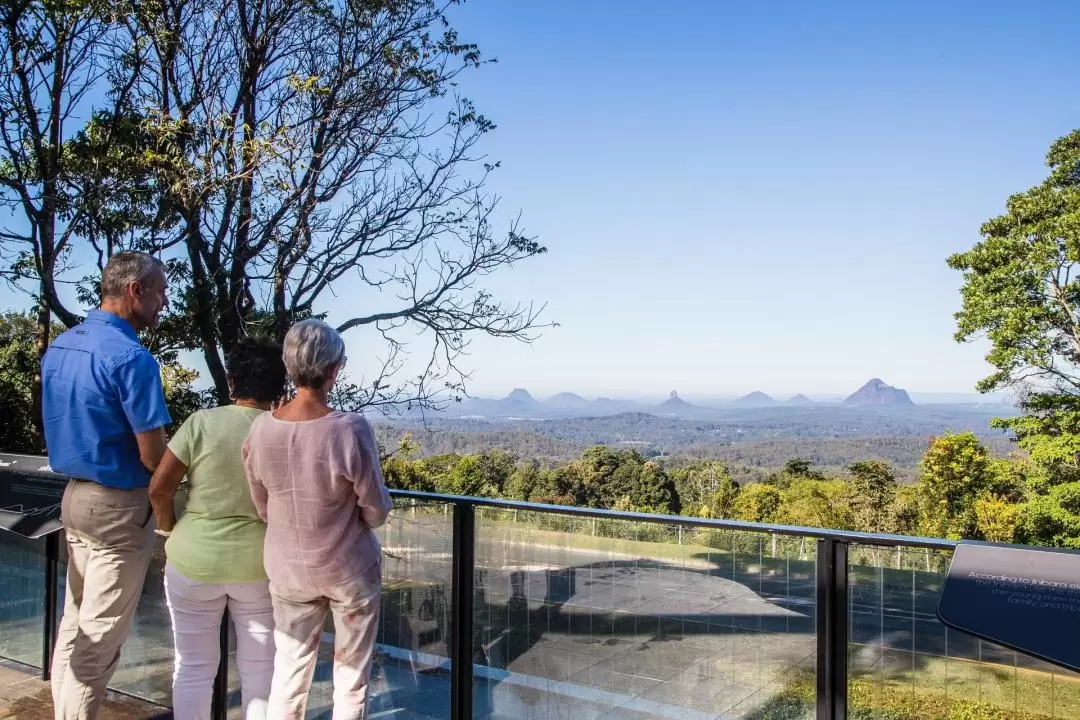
point(125, 268)
point(312, 350)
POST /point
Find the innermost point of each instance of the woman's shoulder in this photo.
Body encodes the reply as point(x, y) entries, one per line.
point(350, 425)
point(353, 420)
point(196, 419)
point(261, 420)
point(229, 415)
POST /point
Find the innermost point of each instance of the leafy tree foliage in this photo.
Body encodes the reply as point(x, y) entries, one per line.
point(706, 489)
point(18, 366)
point(1021, 286)
point(19, 363)
point(956, 472)
point(996, 518)
point(1022, 292)
point(272, 152)
point(811, 502)
point(758, 503)
point(872, 490)
point(962, 493)
point(1052, 519)
point(654, 491)
point(905, 512)
point(1049, 432)
point(524, 481)
point(323, 144)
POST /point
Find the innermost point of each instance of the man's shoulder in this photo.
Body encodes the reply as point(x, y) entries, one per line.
point(76, 336)
point(134, 352)
point(104, 341)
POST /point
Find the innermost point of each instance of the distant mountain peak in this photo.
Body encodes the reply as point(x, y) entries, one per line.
point(800, 399)
point(756, 398)
point(568, 396)
point(519, 394)
point(877, 392)
point(567, 401)
point(674, 404)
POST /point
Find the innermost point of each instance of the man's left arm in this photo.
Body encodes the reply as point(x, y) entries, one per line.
point(138, 381)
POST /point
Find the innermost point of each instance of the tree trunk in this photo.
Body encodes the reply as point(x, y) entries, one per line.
point(41, 344)
point(203, 309)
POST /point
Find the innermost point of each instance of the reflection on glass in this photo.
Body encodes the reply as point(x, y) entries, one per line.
point(22, 587)
point(146, 661)
point(906, 665)
point(617, 619)
point(411, 676)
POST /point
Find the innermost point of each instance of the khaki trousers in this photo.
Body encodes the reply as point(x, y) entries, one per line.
point(299, 617)
point(110, 540)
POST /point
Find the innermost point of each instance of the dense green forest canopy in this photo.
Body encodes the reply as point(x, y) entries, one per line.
point(961, 490)
point(754, 444)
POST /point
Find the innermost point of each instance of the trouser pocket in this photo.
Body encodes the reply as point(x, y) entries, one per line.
point(107, 516)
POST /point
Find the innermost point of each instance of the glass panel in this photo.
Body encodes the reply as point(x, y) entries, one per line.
point(411, 676)
point(906, 665)
point(146, 661)
point(22, 592)
point(582, 618)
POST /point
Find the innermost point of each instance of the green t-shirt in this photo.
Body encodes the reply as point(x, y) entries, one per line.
point(219, 538)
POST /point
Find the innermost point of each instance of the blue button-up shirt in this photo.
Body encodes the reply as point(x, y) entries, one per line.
point(101, 387)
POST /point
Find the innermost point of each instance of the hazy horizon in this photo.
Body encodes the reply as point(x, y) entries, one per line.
point(780, 396)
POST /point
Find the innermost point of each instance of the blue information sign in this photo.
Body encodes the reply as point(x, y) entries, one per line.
point(1024, 598)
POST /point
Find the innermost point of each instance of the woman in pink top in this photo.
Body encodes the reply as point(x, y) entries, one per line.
point(315, 479)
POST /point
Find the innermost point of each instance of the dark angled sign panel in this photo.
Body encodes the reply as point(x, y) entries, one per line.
point(1027, 599)
point(30, 494)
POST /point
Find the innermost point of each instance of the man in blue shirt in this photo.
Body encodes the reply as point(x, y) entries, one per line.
point(105, 417)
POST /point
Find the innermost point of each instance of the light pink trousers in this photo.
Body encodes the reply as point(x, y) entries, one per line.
point(299, 617)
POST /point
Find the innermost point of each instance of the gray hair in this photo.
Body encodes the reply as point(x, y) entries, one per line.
point(312, 350)
point(125, 268)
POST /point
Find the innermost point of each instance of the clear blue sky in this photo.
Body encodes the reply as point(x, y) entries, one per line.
point(742, 196)
point(759, 195)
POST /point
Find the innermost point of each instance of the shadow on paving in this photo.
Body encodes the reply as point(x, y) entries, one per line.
point(24, 696)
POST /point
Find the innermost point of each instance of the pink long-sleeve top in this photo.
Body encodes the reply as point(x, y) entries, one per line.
point(319, 487)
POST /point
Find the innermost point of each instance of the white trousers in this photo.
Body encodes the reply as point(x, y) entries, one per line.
point(196, 609)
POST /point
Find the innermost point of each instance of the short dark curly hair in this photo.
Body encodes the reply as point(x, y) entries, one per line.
point(256, 370)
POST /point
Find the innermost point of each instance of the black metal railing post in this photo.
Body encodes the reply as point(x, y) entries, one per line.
point(219, 704)
point(52, 589)
point(832, 629)
point(461, 612)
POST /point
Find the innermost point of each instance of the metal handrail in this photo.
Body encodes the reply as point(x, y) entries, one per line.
point(846, 536)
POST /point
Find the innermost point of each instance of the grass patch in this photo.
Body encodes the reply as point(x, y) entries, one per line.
point(941, 689)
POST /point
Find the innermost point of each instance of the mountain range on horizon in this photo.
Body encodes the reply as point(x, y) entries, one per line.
point(521, 404)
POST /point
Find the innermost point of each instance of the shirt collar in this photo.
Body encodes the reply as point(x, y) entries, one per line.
point(106, 317)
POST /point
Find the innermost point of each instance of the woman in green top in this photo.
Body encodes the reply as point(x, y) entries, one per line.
point(215, 551)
